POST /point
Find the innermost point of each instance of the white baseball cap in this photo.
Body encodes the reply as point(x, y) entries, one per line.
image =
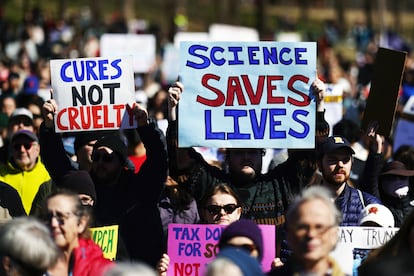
point(378, 214)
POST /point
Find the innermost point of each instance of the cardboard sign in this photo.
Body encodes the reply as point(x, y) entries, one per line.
point(93, 93)
point(142, 48)
point(107, 239)
point(247, 94)
point(192, 246)
point(385, 86)
point(354, 243)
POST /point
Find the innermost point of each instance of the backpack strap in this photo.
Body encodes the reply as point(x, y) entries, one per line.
point(361, 198)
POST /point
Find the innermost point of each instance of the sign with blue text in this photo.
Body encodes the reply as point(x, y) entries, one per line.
point(93, 93)
point(247, 94)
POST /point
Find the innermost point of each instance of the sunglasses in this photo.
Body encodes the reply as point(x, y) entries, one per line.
point(59, 216)
point(103, 156)
point(19, 121)
point(216, 209)
point(26, 146)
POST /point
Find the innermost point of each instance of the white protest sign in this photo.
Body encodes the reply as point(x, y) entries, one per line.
point(333, 104)
point(354, 241)
point(224, 32)
point(247, 94)
point(142, 48)
point(190, 36)
point(93, 93)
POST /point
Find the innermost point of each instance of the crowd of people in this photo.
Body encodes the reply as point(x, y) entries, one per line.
point(55, 186)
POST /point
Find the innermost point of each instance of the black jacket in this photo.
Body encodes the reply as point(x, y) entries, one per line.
point(132, 202)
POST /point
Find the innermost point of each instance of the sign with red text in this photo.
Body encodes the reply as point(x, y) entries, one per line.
point(247, 94)
point(192, 246)
point(93, 93)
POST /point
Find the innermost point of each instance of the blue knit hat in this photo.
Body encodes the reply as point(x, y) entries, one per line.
point(248, 265)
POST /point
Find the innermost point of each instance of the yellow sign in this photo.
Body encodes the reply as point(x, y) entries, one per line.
point(107, 239)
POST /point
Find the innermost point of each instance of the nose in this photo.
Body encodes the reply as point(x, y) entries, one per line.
point(222, 212)
point(54, 223)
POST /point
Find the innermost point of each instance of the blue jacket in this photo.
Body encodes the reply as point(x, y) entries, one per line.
point(350, 204)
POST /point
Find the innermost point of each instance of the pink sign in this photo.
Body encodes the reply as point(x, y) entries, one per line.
point(192, 246)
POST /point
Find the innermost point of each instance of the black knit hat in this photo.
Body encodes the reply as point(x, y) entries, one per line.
point(244, 228)
point(115, 143)
point(83, 138)
point(79, 182)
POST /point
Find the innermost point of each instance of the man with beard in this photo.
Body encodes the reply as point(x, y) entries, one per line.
point(265, 197)
point(335, 162)
point(123, 198)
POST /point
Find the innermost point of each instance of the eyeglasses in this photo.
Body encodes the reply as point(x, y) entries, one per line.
point(103, 156)
point(216, 209)
point(26, 146)
point(319, 229)
point(59, 216)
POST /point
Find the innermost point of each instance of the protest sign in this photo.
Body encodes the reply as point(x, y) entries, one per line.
point(192, 246)
point(224, 32)
point(354, 243)
point(333, 104)
point(106, 238)
point(141, 47)
point(385, 86)
point(247, 94)
point(404, 130)
point(93, 93)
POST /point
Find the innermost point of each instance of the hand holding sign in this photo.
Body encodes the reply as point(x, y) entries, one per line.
point(163, 265)
point(173, 98)
point(318, 89)
point(49, 110)
point(141, 115)
point(376, 141)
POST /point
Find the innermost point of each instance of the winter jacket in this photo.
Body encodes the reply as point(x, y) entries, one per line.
point(26, 183)
point(265, 200)
point(132, 202)
point(351, 202)
point(10, 200)
point(89, 260)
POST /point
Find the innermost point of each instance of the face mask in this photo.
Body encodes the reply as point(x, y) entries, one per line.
point(395, 187)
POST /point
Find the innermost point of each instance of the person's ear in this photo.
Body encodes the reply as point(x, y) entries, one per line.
point(82, 224)
point(239, 212)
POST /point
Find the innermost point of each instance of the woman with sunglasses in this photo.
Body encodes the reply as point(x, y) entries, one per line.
point(221, 205)
point(68, 221)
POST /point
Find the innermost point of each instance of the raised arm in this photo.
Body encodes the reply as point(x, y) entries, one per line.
point(370, 177)
point(154, 169)
point(52, 152)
